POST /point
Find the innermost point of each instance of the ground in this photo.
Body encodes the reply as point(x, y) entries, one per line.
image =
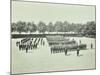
point(41, 59)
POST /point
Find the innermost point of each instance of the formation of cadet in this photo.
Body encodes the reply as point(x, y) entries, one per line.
point(29, 43)
point(57, 44)
point(60, 44)
point(63, 48)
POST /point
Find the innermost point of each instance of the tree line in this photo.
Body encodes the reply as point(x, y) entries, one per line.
point(86, 29)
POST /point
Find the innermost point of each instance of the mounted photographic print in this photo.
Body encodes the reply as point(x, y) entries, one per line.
point(52, 37)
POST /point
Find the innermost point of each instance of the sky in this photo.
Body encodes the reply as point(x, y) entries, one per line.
point(47, 12)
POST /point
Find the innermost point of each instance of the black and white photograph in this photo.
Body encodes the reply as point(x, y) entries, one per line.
point(52, 37)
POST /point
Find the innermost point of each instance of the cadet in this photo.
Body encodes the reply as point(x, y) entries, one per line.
point(78, 51)
point(65, 51)
point(91, 46)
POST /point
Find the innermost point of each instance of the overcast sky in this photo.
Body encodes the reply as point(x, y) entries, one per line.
point(30, 11)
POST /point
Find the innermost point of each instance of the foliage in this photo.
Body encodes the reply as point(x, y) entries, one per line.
point(41, 27)
point(58, 26)
point(20, 26)
point(90, 28)
point(31, 27)
point(50, 27)
point(87, 29)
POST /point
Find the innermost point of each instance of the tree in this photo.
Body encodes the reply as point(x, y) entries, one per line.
point(25, 27)
point(50, 27)
point(90, 28)
point(34, 27)
point(13, 27)
point(20, 26)
point(31, 27)
point(58, 26)
point(42, 27)
point(65, 26)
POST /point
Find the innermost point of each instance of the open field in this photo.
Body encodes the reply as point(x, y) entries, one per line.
point(41, 59)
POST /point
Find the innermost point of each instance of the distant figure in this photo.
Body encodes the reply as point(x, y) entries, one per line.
point(91, 46)
point(79, 41)
point(65, 51)
point(51, 50)
point(43, 43)
point(17, 44)
point(78, 52)
point(73, 39)
point(26, 49)
point(20, 46)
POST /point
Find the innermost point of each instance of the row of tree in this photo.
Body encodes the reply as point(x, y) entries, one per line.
point(87, 29)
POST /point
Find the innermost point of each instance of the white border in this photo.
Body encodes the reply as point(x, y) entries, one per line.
point(5, 37)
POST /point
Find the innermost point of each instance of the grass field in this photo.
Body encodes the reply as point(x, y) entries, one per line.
point(41, 59)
